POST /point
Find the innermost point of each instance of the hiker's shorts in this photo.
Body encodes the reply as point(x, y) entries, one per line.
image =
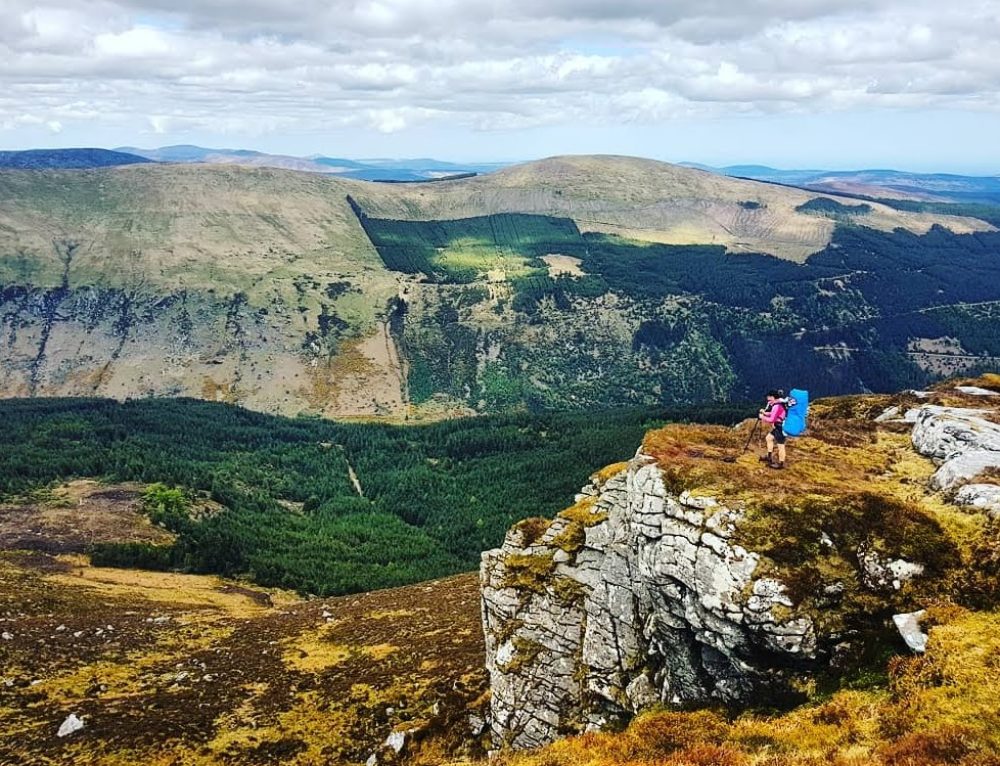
point(779, 434)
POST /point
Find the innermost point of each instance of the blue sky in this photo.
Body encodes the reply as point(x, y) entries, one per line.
point(789, 83)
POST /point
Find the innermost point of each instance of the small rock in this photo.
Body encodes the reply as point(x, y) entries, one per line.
point(641, 693)
point(908, 625)
point(700, 502)
point(984, 497)
point(7, 636)
point(372, 760)
point(976, 391)
point(71, 725)
point(892, 413)
point(477, 724)
point(396, 741)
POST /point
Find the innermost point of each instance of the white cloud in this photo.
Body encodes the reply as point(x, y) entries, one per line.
point(244, 67)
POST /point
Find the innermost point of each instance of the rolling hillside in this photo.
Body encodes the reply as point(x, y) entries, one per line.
point(265, 287)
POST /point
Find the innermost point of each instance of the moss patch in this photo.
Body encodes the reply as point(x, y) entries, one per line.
point(531, 572)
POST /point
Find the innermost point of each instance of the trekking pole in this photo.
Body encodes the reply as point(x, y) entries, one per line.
point(753, 433)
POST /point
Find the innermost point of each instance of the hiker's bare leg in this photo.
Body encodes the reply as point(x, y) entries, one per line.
point(781, 454)
point(770, 445)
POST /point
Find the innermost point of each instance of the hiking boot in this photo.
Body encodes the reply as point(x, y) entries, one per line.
point(766, 458)
point(778, 466)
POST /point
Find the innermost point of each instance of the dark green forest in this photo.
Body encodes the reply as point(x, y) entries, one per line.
point(842, 322)
point(434, 496)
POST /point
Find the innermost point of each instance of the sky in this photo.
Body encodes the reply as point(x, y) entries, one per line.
point(908, 84)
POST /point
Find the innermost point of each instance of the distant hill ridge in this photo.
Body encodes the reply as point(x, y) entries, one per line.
point(67, 159)
point(875, 182)
point(375, 169)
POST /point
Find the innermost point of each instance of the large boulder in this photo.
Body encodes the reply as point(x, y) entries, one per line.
point(961, 440)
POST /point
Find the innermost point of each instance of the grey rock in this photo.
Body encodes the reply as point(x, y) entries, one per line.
point(477, 724)
point(976, 391)
point(891, 413)
point(641, 693)
point(985, 497)
point(396, 741)
point(71, 725)
point(664, 607)
point(960, 440)
point(880, 575)
point(909, 628)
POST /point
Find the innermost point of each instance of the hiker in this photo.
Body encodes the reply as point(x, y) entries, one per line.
point(774, 414)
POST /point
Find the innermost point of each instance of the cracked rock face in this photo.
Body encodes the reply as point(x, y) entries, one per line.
point(656, 604)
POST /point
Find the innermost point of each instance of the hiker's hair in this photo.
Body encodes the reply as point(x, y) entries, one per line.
point(774, 393)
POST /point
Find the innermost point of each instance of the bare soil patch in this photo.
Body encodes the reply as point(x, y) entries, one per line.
point(74, 516)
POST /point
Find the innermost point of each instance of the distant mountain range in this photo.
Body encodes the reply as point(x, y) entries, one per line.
point(420, 169)
point(365, 170)
point(929, 187)
point(876, 184)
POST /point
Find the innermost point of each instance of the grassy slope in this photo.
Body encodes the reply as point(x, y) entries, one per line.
point(191, 670)
point(228, 679)
point(178, 226)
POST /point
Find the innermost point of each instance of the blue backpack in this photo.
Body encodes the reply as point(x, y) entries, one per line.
point(798, 411)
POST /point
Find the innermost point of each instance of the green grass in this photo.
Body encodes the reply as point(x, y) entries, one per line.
point(465, 250)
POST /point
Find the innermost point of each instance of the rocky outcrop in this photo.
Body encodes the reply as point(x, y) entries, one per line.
point(961, 440)
point(645, 592)
point(639, 595)
point(984, 497)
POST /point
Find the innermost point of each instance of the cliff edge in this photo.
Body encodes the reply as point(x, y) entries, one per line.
point(680, 579)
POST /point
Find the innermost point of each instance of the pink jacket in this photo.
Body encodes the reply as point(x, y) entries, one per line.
point(776, 414)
